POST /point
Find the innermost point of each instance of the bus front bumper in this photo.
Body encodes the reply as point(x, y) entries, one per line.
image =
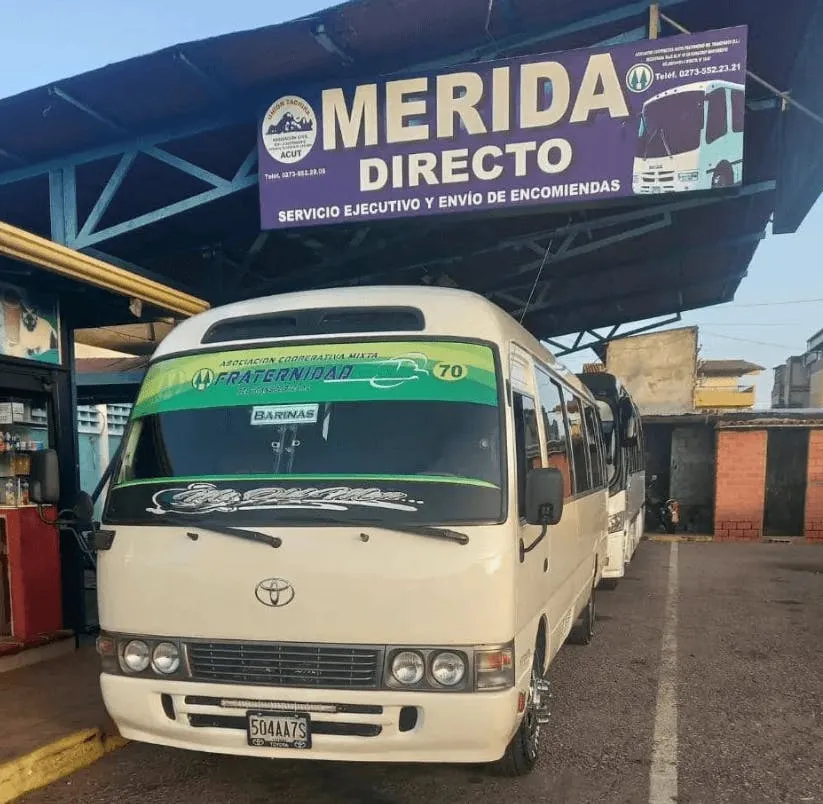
point(446, 727)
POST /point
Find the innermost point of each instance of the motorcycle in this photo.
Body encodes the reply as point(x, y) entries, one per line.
point(664, 513)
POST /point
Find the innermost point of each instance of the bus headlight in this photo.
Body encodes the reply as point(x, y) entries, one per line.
point(136, 656)
point(616, 522)
point(407, 667)
point(690, 175)
point(166, 658)
point(448, 668)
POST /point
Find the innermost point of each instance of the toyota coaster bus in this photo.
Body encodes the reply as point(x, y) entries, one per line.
point(349, 524)
point(623, 435)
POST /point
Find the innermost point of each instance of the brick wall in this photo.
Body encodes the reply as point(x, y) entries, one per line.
point(740, 488)
point(814, 488)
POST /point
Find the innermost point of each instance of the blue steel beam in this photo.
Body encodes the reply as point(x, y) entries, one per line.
point(184, 166)
point(563, 350)
point(55, 91)
point(164, 212)
point(63, 205)
point(87, 235)
point(108, 193)
point(249, 164)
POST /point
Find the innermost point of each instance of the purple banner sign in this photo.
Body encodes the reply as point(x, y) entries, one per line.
point(650, 117)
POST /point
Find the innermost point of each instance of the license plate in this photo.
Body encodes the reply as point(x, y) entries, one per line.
point(278, 730)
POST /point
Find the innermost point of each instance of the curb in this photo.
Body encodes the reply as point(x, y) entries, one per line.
point(55, 761)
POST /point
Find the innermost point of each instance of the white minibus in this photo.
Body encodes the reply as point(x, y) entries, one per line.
point(691, 138)
point(623, 436)
point(349, 524)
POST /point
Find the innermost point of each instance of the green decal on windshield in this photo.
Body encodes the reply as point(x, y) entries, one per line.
point(407, 371)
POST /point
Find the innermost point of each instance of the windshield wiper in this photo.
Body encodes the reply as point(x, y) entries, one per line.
point(665, 142)
point(226, 530)
point(416, 530)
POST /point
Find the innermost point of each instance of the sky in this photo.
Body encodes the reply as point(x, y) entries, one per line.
point(778, 306)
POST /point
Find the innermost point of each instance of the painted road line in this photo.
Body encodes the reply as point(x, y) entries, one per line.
point(54, 761)
point(663, 773)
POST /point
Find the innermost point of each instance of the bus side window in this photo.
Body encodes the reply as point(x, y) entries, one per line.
point(527, 445)
point(557, 437)
point(574, 415)
point(716, 115)
point(595, 446)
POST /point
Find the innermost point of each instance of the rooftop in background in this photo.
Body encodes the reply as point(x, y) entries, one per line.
point(727, 368)
point(158, 154)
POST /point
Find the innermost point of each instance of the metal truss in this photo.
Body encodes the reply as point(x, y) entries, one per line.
point(599, 341)
point(63, 196)
point(569, 240)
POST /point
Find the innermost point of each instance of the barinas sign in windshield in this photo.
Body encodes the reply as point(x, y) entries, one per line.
point(520, 131)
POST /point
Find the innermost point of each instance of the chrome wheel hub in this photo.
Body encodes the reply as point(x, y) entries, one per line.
point(536, 713)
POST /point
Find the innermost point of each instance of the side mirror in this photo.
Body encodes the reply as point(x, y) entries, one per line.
point(544, 496)
point(629, 435)
point(628, 424)
point(44, 478)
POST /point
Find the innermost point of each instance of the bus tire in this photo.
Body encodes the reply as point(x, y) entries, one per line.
point(608, 583)
point(722, 176)
point(523, 751)
point(582, 632)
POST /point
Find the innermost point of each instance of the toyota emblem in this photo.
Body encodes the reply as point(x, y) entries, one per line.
point(274, 592)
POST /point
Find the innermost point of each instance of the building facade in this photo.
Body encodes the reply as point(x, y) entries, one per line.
point(725, 385)
point(798, 383)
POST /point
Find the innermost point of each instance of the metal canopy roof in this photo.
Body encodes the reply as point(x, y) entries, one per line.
point(152, 162)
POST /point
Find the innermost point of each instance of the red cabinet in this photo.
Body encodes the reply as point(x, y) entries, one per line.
point(32, 565)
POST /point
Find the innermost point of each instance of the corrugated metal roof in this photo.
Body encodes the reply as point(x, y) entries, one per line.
point(698, 260)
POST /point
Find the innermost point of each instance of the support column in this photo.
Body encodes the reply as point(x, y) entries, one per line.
point(740, 484)
point(63, 207)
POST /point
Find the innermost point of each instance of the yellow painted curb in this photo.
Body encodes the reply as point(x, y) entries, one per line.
point(54, 761)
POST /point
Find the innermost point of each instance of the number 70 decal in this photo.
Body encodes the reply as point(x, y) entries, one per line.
point(450, 372)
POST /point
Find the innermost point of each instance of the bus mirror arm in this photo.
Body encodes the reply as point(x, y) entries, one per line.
point(546, 520)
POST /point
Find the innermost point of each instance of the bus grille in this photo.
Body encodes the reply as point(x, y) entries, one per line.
point(285, 664)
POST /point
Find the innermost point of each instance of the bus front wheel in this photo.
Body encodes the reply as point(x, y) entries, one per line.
point(524, 749)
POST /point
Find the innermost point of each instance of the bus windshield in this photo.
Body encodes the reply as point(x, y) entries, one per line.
point(395, 431)
point(671, 125)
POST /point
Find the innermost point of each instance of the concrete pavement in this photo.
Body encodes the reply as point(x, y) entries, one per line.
point(743, 722)
point(52, 722)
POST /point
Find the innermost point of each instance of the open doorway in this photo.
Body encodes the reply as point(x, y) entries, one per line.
point(787, 456)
